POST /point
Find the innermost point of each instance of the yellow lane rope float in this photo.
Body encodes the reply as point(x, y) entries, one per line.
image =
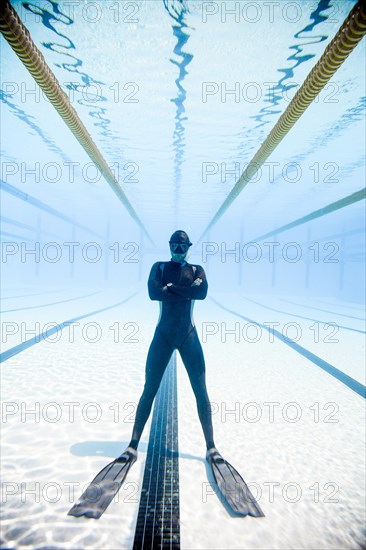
point(346, 39)
point(17, 35)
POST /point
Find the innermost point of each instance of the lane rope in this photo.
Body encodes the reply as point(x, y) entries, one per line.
point(346, 39)
point(18, 37)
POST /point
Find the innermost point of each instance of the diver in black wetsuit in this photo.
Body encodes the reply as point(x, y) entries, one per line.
point(175, 284)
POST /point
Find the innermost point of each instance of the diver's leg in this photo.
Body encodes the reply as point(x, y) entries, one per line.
point(158, 357)
point(193, 359)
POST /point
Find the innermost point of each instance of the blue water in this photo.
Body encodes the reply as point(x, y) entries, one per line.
point(178, 96)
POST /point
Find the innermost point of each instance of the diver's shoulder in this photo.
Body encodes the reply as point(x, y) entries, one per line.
point(162, 262)
point(157, 265)
point(197, 267)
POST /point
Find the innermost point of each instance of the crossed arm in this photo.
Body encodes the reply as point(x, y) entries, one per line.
point(176, 293)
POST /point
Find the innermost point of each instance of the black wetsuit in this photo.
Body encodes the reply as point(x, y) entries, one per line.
point(175, 330)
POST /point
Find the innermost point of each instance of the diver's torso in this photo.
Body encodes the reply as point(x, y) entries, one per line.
point(176, 318)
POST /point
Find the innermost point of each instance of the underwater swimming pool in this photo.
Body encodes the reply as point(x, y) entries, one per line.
point(178, 96)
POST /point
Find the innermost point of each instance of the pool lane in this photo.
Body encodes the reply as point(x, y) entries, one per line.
point(158, 523)
point(347, 380)
point(52, 330)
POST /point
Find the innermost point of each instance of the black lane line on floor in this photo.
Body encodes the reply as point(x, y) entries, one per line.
point(2, 299)
point(158, 516)
point(328, 323)
point(324, 310)
point(52, 303)
point(356, 307)
point(333, 371)
point(52, 330)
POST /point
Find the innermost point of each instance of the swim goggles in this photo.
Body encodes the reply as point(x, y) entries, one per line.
point(180, 248)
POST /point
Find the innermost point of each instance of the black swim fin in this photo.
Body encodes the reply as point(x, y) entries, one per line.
point(232, 486)
point(100, 492)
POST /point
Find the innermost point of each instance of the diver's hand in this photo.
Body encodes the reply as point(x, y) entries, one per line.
point(196, 282)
